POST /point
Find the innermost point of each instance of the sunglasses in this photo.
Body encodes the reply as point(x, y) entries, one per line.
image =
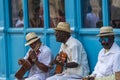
point(105, 39)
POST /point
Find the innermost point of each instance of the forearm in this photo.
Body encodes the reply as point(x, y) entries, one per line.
point(71, 65)
point(41, 66)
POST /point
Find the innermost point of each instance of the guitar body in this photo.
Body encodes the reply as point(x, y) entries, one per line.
point(60, 65)
point(59, 69)
point(27, 64)
point(25, 67)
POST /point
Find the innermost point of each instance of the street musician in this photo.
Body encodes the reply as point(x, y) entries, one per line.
point(38, 58)
point(76, 65)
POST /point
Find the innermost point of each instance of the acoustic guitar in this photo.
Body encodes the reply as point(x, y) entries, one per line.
point(88, 78)
point(26, 65)
point(60, 64)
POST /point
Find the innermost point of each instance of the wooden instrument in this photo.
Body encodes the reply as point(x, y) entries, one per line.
point(59, 66)
point(88, 78)
point(26, 65)
point(117, 75)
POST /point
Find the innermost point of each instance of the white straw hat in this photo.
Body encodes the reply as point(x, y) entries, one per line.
point(107, 30)
point(63, 26)
point(31, 38)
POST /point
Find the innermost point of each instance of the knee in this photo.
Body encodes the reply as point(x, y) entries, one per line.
point(49, 78)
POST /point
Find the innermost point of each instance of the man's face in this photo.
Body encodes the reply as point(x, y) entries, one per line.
point(59, 36)
point(106, 41)
point(33, 45)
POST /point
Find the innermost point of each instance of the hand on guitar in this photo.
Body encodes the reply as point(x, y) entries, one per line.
point(58, 58)
point(33, 56)
point(61, 58)
point(60, 61)
point(89, 77)
point(21, 61)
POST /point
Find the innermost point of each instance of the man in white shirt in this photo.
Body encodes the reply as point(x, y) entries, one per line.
point(109, 57)
point(39, 59)
point(76, 65)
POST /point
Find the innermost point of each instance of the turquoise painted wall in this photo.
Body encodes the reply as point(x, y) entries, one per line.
point(12, 40)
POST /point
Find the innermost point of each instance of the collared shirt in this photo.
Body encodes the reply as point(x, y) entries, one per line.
point(108, 63)
point(76, 53)
point(44, 57)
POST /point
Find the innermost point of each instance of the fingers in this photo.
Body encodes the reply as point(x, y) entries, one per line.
point(32, 55)
point(21, 61)
point(58, 58)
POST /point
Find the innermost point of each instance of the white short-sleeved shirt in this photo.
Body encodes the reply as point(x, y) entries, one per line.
point(44, 56)
point(76, 53)
point(108, 63)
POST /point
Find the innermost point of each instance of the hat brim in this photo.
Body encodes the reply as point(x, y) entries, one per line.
point(59, 29)
point(32, 41)
point(107, 34)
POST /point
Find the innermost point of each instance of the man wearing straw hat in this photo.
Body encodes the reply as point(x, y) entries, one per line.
point(76, 65)
point(109, 57)
point(41, 59)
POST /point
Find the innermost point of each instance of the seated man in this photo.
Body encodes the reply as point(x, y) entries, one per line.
point(39, 60)
point(109, 57)
point(76, 64)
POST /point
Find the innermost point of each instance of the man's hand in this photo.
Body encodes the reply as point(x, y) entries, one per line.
point(21, 61)
point(89, 77)
point(58, 58)
point(33, 56)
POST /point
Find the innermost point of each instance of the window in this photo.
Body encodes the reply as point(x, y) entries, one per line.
point(17, 14)
point(36, 19)
point(115, 13)
point(57, 12)
point(92, 14)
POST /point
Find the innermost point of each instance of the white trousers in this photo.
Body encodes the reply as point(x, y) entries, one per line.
point(64, 77)
point(34, 77)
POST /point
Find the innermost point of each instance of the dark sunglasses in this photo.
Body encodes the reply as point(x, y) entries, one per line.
point(105, 39)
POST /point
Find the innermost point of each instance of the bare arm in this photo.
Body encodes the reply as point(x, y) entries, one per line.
point(41, 66)
point(71, 65)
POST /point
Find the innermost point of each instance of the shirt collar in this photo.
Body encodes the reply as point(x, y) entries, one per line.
point(40, 49)
point(112, 49)
point(68, 41)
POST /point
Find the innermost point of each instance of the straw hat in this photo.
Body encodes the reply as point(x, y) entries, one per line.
point(104, 31)
point(63, 26)
point(31, 38)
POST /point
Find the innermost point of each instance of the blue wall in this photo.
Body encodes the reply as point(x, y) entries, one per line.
point(12, 40)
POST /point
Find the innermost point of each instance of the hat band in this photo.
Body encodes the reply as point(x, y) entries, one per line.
point(106, 33)
point(32, 38)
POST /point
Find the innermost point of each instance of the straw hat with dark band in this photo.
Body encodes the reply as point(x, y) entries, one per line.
point(31, 38)
point(105, 31)
point(63, 26)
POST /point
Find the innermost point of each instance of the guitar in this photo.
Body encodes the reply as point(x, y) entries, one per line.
point(27, 64)
point(60, 64)
point(88, 78)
